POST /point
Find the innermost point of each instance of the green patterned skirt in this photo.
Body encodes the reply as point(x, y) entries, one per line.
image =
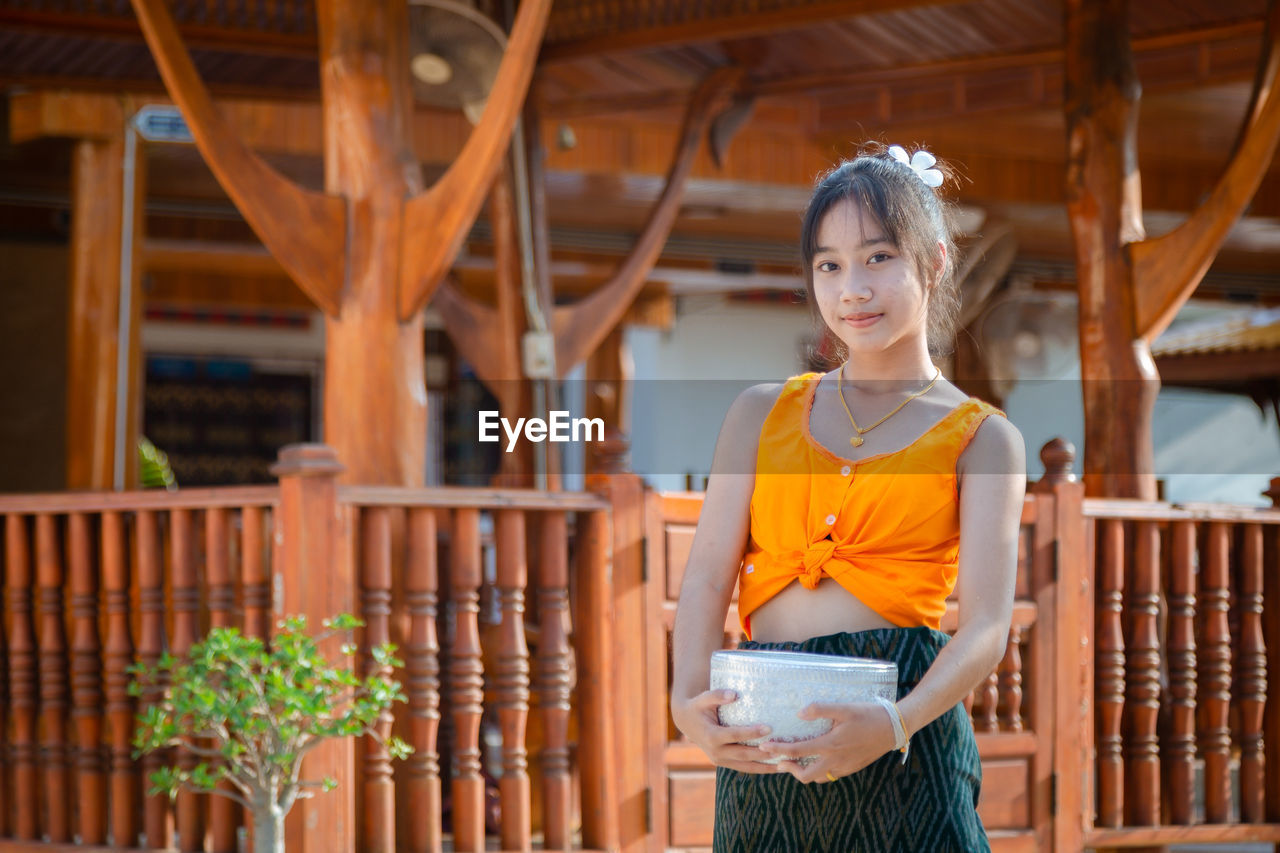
point(928, 804)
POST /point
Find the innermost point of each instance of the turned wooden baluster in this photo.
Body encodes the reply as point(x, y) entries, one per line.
point(255, 579)
point(986, 704)
point(224, 814)
point(255, 583)
point(1011, 683)
point(375, 605)
point(117, 657)
point(422, 683)
point(1251, 678)
point(6, 741)
point(186, 631)
point(1142, 697)
point(1109, 673)
point(511, 681)
point(1180, 739)
point(1214, 686)
point(22, 678)
point(1271, 635)
point(86, 683)
point(157, 821)
point(465, 684)
point(554, 680)
point(53, 679)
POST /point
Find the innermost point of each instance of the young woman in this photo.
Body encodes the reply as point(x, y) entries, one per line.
point(847, 506)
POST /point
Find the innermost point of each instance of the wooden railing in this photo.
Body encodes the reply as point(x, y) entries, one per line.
point(496, 598)
point(1186, 640)
point(1130, 709)
point(93, 583)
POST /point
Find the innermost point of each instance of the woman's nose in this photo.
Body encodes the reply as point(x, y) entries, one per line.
point(854, 289)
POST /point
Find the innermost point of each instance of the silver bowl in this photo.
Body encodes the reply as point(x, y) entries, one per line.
point(773, 686)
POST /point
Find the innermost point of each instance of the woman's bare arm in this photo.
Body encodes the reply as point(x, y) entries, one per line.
point(992, 491)
point(707, 587)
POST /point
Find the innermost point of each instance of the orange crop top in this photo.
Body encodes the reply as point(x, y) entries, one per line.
point(886, 528)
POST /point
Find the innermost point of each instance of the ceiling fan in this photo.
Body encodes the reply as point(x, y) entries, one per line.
point(454, 54)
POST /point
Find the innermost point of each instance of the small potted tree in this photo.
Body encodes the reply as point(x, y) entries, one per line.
point(249, 714)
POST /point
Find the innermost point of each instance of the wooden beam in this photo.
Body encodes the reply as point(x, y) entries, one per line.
point(447, 210)
point(969, 86)
point(302, 228)
point(79, 115)
point(1218, 368)
point(609, 33)
point(580, 328)
point(1167, 269)
point(288, 38)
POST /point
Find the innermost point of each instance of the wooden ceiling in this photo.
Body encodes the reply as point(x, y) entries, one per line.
point(977, 81)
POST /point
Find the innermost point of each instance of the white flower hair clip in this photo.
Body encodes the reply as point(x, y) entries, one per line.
point(920, 163)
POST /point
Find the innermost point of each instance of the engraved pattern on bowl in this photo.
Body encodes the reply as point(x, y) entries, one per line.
point(774, 686)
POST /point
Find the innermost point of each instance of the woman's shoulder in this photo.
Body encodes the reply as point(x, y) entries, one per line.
point(748, 412)
point(992, 445)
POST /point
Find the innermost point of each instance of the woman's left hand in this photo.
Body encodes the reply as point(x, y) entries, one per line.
point(859, 734)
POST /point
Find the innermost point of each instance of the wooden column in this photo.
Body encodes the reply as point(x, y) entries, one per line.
point(97, 230)
point(372, 249)
point(317, 584)
point(1130, 287)
point(378, 427)
point(1104, 202)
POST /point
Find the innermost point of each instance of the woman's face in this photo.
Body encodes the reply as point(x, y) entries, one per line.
point(867, 291)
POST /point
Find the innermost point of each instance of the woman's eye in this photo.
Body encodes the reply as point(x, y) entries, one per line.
point(827, 266)
point(879, 257)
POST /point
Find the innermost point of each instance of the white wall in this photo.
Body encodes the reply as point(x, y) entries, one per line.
point(687, 377)
point(1208, 447)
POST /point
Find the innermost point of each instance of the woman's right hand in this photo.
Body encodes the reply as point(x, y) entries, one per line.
point(697, 718)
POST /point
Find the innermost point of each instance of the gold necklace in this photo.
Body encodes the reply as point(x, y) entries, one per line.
point(856, 440)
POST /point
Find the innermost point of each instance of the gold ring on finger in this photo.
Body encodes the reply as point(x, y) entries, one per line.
point(829, 776)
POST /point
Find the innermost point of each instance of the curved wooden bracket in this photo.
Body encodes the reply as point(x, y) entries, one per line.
point(473, 328)
point(436, 221)
point(304, 230)
point(1167, 269)
point(579, 328)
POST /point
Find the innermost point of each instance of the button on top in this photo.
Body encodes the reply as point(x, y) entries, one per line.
point(831, 519)
point(844, 472)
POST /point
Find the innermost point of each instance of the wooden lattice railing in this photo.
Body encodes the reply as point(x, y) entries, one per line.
point(473, 585)
point(93, 583)
point(1186, 640)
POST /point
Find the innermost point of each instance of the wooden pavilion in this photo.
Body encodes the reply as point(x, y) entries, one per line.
point(304, 180)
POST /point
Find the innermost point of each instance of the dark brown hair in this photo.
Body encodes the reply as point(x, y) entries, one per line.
point(912, 217)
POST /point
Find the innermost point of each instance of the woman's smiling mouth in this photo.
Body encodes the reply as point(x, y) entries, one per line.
point(860, 320)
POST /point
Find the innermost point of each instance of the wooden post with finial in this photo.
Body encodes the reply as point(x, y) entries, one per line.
point(311, 580)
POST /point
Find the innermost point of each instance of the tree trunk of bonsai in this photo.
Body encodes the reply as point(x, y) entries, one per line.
point(268, 829)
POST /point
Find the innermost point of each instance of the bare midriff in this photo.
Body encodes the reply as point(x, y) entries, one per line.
point(796, 614)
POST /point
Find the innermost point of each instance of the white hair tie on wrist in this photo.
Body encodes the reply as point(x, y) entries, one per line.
point(920, 163)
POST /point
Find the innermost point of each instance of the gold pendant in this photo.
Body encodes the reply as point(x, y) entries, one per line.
point(856, 441)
